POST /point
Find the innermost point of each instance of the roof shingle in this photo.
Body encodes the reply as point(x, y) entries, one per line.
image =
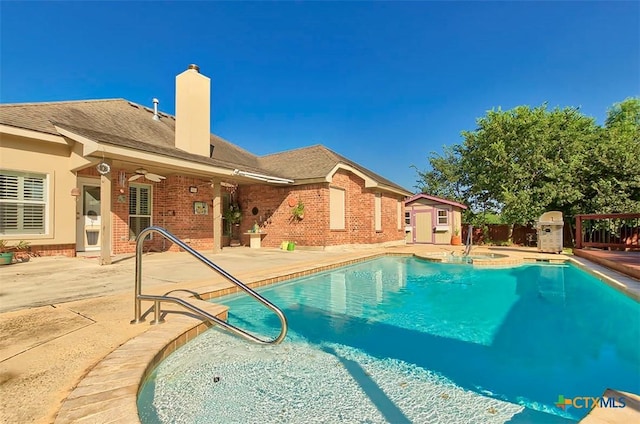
point(127, 124)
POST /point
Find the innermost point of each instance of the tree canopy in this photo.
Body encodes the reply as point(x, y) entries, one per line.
point(525, 161)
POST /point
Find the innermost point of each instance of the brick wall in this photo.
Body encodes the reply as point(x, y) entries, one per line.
point(275, 218)
point(173, 209)
point(54, 250)
point(120, 217)
point(274, 213)
point(359, 205)
point(360, 213)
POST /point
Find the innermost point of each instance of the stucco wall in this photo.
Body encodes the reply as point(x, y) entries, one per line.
point(44, 157)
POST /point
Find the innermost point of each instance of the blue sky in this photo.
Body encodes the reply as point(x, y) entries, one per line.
point(383, 83)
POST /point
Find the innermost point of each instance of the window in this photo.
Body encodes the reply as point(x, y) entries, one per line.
point(377, 212)
point(443, 217)
point(336, 208)
point(23, 203)
point(407, 218)
point(139, 209)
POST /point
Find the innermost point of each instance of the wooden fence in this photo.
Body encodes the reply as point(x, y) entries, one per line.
point(605, 231)
point(523, 235)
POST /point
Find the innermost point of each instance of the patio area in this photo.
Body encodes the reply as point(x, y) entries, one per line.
point(625, 262)
point(61, 316)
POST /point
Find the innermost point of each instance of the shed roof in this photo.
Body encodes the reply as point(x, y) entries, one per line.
point(435, 199)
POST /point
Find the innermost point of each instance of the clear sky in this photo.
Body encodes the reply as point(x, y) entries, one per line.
point(383, 83)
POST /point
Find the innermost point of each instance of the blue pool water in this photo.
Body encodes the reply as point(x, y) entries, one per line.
point(403, 340)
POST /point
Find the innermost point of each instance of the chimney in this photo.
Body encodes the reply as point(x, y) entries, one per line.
point(193, 112)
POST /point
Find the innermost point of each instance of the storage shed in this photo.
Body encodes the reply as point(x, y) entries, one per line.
point(431, 219)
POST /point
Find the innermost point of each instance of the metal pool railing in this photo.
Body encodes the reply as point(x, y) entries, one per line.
point(469, 242)
point(158, 299)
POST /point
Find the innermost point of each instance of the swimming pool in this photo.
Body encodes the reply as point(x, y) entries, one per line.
point(404, 340)
point(492, 258)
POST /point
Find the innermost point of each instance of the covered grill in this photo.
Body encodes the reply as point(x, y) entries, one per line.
point(550, 227)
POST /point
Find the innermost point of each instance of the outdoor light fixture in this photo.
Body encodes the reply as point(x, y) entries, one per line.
point(103, 168)
point(75, 192)
point(193, 189)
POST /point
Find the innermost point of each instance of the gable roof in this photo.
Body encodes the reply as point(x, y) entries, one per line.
point(119, 118)
point(126, 124)
point(163, 150)
point(316, 162)
point(435, 199)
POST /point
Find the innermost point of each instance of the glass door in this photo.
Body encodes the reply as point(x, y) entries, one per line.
point(88, 218)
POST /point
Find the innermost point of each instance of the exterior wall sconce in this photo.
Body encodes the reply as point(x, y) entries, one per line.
point(193, 189)
point(75, 192)
point(103, 168)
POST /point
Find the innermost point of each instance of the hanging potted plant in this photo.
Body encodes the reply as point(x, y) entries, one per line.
point(298, 211)
point(233, 215)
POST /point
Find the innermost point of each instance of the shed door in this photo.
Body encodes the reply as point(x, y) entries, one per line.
point(423, 229)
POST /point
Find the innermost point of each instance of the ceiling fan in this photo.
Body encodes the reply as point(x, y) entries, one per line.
point(141, 172)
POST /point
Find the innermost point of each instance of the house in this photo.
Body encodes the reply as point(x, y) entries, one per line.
point(90, 175)
point(431, 219)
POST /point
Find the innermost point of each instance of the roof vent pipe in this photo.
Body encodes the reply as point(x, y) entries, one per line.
point(194, 67)
point(156, 117)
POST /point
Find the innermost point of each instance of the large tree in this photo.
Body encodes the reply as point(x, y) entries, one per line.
point(445, 178)
point(611, 178)
point(525, 161)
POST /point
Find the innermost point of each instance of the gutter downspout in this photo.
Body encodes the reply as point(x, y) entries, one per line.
point(262, 177)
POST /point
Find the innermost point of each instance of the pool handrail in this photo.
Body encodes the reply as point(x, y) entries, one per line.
point(139, 297)
point(469, 242)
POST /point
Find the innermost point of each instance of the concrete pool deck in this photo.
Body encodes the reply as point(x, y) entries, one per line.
point(61, 317)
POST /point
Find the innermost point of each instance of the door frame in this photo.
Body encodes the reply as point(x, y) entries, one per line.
point(83, 182)
point(414, 226)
